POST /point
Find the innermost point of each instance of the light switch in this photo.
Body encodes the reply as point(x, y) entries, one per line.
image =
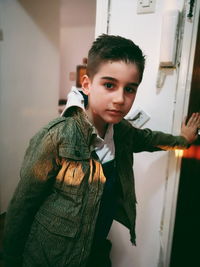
point(145, 3)
point(72, 76)
point(146, 6)
point(1, 35)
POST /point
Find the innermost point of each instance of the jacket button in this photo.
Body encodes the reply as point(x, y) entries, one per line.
point(77, 153)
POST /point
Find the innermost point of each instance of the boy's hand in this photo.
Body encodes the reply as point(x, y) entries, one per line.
point(189, 130)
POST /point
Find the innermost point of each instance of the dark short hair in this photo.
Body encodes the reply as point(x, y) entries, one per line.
point(115, 48)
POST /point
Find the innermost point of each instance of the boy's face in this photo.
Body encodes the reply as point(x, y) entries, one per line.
point(111, 92)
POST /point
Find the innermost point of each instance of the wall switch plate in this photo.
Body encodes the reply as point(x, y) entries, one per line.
point(1, 35)
point(146, 6)
point(72, 76)
point(138, 118)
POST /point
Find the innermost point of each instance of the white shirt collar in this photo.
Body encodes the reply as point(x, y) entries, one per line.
point(74, 98)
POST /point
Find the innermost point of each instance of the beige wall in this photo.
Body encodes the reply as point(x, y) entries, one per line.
point(29, 80)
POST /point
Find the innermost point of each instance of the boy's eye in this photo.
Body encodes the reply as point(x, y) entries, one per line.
point(109, 85)
point(130, 90)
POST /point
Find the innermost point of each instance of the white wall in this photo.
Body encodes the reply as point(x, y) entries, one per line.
point(29, 80)
point(77, 27)
point(150, 169)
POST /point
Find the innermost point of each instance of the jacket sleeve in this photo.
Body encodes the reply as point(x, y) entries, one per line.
point(36, 178)
point(147, 140)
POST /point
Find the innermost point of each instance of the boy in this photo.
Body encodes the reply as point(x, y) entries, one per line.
point(77, 172)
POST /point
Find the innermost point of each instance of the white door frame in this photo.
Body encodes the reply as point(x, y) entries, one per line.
point(189, 36)
point(102, 16)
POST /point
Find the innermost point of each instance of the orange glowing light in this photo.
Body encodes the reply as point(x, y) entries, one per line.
point(192, 153)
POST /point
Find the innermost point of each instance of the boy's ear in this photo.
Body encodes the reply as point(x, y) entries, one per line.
point(86, 84)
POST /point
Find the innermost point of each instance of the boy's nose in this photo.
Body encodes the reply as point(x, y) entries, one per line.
point(119, 97)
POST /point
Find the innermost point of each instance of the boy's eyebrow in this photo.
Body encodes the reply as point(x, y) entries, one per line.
point(115, 80)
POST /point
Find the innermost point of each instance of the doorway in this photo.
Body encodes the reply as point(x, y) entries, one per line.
point(77, 32)
point(185, 247)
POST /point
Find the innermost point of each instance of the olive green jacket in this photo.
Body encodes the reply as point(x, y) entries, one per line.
point(51, 217)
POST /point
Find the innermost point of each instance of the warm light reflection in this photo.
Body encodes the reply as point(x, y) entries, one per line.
point(192, 153)
point(179, 153)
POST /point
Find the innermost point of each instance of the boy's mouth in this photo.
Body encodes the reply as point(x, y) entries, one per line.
point(115, 112)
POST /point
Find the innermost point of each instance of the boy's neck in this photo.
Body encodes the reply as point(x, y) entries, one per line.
point(102, 130)
point(100, 125)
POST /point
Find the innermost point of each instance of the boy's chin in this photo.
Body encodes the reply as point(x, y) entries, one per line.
point(114, 120)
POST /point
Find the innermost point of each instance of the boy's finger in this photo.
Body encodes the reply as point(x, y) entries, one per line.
point(193, 120)
point(184, 121)
point(190, 120)
point(197, 122)
point(197, 119)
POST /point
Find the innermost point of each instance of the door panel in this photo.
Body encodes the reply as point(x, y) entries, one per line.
point(185, 247)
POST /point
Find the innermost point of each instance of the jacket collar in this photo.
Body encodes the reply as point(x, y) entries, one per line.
point(120, 130)
point(80, 122)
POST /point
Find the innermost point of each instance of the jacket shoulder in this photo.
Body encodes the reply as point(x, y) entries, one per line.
point(125, 124)
point(61, 125)
point(63, 130)
point(55, 122)
point(123, 128)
